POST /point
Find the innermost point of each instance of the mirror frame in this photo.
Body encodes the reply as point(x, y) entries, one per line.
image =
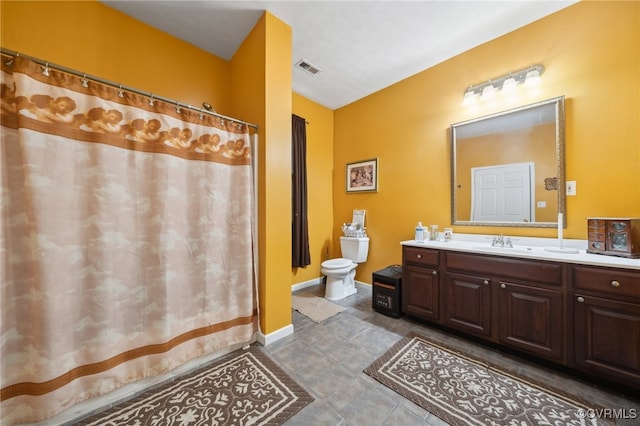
point(558, 102)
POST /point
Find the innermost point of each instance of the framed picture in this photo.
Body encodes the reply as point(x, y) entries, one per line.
point(362, 176)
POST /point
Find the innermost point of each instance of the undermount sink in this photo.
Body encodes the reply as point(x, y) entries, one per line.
point(500, 249)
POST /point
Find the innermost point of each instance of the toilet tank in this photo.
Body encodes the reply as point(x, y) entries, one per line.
point(355, 248)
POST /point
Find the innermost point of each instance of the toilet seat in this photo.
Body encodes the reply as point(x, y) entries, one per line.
point(339, 274)
point(337, 263)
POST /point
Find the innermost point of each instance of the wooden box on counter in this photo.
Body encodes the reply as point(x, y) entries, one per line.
point(614, 236)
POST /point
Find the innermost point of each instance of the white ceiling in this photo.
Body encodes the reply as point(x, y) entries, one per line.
point(360, 46)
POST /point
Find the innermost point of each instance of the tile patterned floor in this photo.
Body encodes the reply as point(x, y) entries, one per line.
point(327, 358)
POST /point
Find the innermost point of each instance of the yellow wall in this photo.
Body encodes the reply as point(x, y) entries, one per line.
point(254, 86)
point(591, 52)
point(319, 175)
point(261, 80)
point(89, 37)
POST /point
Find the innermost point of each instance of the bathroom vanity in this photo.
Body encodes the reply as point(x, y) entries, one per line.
point(580, 311)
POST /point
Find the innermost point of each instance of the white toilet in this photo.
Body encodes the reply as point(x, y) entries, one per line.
point(341, 272)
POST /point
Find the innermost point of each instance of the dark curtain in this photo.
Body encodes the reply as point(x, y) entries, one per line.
point(300, 256)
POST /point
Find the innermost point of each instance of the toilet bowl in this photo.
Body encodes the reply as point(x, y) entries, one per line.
point(340, 275)
point(341, 272)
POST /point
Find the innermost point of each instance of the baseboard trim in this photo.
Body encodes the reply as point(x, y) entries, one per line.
point(306, 284)
point(316, 281)
point(363, 285)
point(267, 339)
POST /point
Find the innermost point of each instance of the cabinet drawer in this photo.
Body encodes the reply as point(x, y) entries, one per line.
point(597, 240)
point(530, 270)
point(607, 281)
point(596, 246)
point(596, 236)
point(597, 225)
point(420, 256)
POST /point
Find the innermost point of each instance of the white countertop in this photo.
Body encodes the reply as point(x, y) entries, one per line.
point(528, 248)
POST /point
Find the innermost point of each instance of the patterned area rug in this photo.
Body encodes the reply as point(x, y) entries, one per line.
point(242, 388)
point(463, 390)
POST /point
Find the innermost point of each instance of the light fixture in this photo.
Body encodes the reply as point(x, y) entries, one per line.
point(507, 83)
point(488, 91)
point(45, 70)
point(85, 82)
point(532, 78)
point(469, 97)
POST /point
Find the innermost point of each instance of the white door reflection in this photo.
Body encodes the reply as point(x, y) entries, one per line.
point(503, 193)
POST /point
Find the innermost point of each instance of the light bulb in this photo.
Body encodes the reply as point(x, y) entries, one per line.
point(469, 97)
point(532, 78)
point(509, 84)
point(488, 92)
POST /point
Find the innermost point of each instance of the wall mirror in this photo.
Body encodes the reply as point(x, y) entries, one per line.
point(508, 168)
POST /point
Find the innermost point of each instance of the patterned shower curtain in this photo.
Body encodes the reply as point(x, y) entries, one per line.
point(126, 238)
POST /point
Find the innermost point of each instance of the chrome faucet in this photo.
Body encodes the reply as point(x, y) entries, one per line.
point(500, 241)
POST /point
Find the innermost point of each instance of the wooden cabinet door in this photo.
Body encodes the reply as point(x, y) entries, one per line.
point(421, 292)
point(467, 303)
point(607, 338)
point(530, 319)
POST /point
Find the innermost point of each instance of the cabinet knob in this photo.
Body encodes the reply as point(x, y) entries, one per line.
point(615, 283)
point(419, 256)
point(435, 272)
point(580, 299)
point(485, 282)
point(503, 285)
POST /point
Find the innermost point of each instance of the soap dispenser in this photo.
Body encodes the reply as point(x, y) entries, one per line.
point(419, 233)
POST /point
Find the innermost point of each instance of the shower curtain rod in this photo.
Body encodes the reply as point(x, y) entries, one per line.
point(7, 52)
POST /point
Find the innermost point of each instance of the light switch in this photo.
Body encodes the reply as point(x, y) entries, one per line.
point(571, 187)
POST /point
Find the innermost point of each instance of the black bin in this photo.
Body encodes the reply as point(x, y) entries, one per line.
point(387, 284)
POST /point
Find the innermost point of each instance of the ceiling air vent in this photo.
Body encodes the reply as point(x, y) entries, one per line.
point(306, 66)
